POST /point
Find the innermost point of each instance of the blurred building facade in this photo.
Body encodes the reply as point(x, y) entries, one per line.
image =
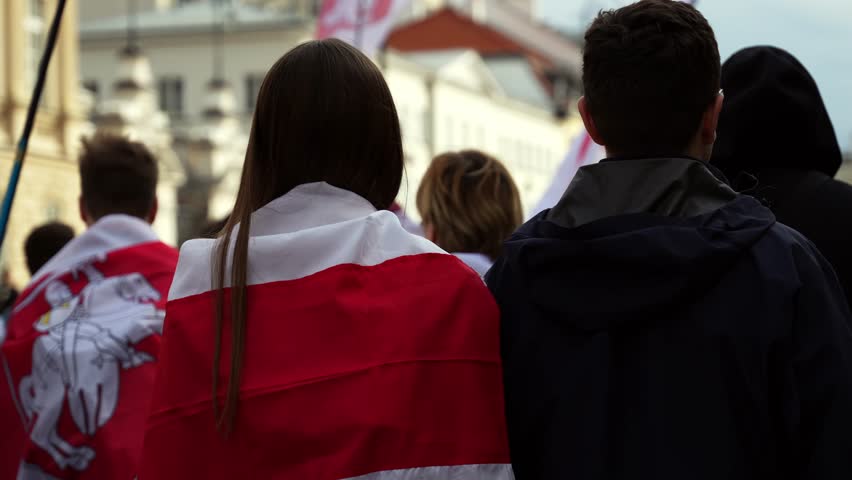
point(49, 187)
point(475, 86)
point(208, 59)
point(131, 110)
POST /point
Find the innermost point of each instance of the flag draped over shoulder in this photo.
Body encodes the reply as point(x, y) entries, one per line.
point(80, 353)
point(370, 354)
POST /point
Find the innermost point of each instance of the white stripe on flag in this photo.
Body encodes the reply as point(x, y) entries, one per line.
point(345, 229)
point(458, 472)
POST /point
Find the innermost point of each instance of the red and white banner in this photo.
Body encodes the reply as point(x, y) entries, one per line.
point(79, 358)
point(362, 23)
point(584, 151)
point(370, 354)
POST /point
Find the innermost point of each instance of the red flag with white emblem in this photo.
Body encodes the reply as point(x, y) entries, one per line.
point(79, 358)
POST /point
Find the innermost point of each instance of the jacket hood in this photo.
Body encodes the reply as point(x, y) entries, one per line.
point(605, 254)
point(773, 116)
point(621, 266)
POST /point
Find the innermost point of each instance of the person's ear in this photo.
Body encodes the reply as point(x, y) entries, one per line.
point(711, 120)
point(152, 215)
point(588, 121)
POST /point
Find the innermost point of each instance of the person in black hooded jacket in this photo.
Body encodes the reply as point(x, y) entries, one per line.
point(656, 324)
point(774, 129)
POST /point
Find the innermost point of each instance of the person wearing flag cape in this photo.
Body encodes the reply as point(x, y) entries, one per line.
point(84, 336)
point(317, 338)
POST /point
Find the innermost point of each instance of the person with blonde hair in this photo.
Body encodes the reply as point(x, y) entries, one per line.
point(470, 205)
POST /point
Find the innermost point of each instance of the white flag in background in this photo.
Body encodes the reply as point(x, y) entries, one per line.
point(362, 23)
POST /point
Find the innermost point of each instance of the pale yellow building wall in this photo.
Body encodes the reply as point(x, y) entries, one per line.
point(49, 185)
point(48, 190)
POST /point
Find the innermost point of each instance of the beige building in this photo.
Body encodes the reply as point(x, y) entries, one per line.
point(49, 186)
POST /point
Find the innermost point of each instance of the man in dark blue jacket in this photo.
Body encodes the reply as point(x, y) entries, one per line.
point(656, 324)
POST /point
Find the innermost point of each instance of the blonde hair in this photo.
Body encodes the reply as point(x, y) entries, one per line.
point(470, 201)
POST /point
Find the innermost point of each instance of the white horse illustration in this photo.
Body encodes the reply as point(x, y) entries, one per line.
point(88, 342)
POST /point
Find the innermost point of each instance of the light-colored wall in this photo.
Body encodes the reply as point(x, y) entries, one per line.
point(191, 58)
point(845, 173)
point(49, 185)
point(98, 9)
point(411, 96)
point(529, 141)
point(48, 190)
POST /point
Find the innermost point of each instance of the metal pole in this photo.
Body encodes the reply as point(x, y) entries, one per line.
point(6, 208)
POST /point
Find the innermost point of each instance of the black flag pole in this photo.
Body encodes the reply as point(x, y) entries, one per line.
point(21, 153)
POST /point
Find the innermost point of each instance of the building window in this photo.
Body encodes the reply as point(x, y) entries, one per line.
point(34, 26)
point(253, 83)
point(171, 95)
point(94, 88)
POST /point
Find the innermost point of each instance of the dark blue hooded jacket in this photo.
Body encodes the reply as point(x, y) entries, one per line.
point(657, 325)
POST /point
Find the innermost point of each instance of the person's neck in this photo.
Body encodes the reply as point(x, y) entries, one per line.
point(696, 152)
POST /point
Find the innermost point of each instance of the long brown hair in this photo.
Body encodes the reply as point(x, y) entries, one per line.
point(471, 202)
point(324, 113)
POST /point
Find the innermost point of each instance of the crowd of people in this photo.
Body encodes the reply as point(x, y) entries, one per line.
point(682, 312)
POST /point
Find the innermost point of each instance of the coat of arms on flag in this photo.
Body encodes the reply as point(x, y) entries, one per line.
point(80, 355)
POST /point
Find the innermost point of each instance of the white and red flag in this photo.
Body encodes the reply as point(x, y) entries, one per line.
point(362, 23)
point(79, 357)
point(369, 353)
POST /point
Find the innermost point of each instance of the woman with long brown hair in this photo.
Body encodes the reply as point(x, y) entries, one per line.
point(316, 338)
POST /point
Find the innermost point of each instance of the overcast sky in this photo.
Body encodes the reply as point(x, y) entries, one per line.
point(818, 32)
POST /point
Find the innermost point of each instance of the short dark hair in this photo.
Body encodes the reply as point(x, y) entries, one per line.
point(117, 176)
point(650, 71)
point(44, 242)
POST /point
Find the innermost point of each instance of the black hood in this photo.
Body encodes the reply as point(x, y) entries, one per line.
point(600, 275)
point(773, 116)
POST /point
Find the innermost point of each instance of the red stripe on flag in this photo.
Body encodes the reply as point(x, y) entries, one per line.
point(349, 371)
